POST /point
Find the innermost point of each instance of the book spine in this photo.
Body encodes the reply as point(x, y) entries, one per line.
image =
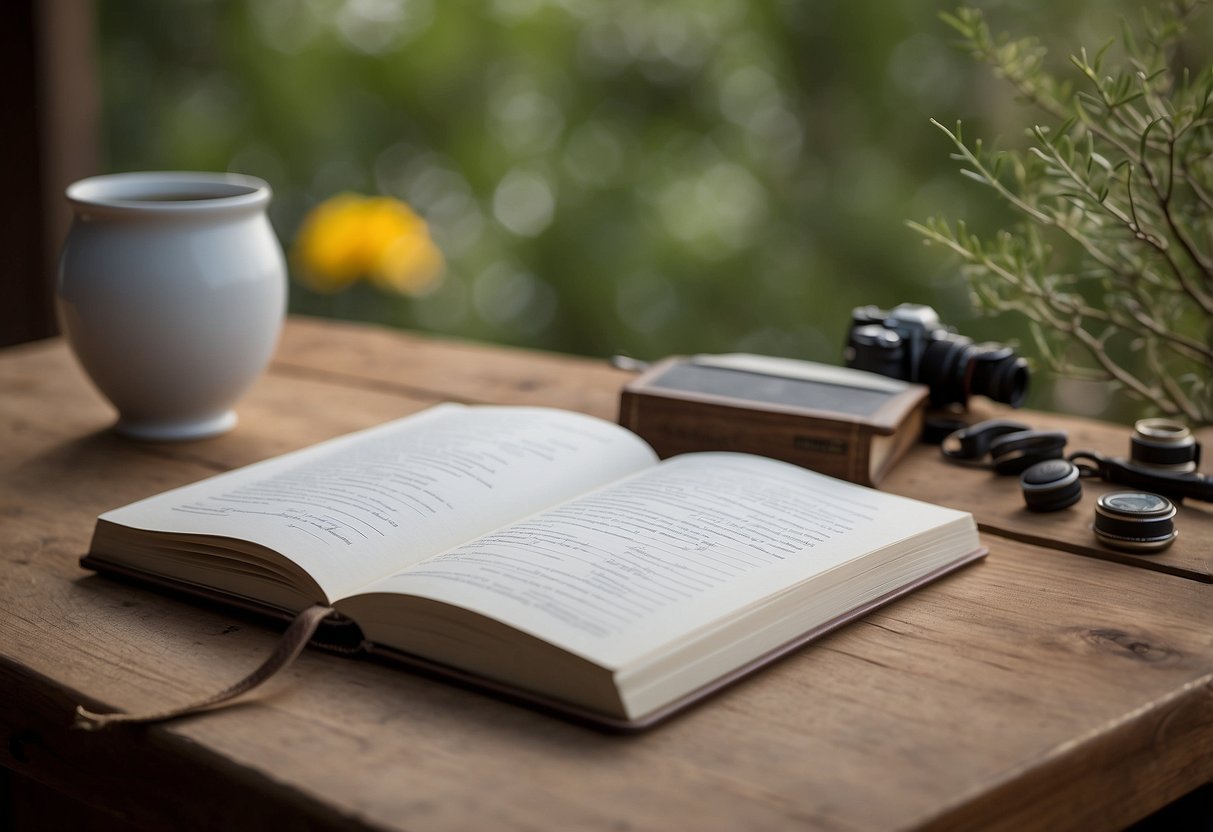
point(673, 426)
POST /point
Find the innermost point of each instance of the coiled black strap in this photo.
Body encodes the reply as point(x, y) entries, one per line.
point(1011, 446)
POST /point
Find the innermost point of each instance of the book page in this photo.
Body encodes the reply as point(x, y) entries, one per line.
point(637, 565)
point(365, 505)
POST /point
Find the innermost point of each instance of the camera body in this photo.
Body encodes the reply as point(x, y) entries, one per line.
point(909, 342)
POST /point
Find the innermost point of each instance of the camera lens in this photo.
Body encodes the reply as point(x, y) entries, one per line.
point(1164, 444)
point(942, 368)
point(955, 368)
point(998, 373)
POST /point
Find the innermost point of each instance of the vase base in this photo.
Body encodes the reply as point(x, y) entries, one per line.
point(176, 431)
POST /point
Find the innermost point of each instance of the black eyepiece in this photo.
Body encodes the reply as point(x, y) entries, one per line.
point(1051, 485)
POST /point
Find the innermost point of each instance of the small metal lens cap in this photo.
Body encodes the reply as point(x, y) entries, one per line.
point(1135, 521)
point(1137, 504)
point(1051, 485)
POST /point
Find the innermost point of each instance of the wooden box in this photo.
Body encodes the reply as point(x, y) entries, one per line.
point(846, 423)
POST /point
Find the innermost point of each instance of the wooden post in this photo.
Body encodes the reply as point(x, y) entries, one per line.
point(50, 102)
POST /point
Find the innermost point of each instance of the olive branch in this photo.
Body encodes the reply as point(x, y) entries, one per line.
point(1111, 257)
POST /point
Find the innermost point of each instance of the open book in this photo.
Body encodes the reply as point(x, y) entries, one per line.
point(543, 552)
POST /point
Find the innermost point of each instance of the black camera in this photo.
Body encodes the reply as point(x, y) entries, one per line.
point(908, 342)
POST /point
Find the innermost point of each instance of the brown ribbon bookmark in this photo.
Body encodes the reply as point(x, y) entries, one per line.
point(289, 647)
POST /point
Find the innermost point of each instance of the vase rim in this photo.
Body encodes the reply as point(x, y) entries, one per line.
point(169, 192)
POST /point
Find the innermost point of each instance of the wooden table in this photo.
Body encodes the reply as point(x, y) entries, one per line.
point(1053, 686)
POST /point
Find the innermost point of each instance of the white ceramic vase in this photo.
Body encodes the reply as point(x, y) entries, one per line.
point(172, 291)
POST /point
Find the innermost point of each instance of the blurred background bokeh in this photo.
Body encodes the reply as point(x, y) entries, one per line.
point(601, 176)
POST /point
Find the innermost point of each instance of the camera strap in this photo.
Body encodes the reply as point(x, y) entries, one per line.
point(1011, 446)
point(1113, 469)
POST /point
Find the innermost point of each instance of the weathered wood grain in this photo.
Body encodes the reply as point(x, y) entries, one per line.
point(447, 370)
point(1032, 690)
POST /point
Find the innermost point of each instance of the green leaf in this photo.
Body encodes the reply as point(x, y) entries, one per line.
point(1065, 148)
point(1144, 142)
point(1126, 99)
point(1103, 50)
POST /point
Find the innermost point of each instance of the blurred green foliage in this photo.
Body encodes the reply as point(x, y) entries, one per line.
point(603, 175)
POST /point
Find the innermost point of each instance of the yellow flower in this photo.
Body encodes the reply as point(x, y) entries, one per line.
point(378, 238)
